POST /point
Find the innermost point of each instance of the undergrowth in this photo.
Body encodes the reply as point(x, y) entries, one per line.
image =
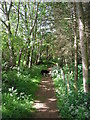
point(18, 91)
point(72, 104)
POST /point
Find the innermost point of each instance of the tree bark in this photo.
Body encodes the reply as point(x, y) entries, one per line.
point(88, 24)
point(20, 55)
point(28, 58)
point(18, 18)
point(83, 44)
point(88, 20)
point(31, 62)
point(75, 44)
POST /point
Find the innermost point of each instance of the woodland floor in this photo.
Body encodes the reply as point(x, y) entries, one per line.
point(46, 102)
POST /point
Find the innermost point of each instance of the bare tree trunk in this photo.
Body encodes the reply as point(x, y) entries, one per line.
point(88, 24)
point(18, 18)
point(88, 20)
point(31, 62)
point(20, 55)
point(28, 58)
point(83, 44)
point(75, 45)
point(34, 36)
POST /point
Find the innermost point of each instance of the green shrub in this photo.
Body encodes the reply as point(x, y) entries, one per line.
point(19, 87)
point(71, 104)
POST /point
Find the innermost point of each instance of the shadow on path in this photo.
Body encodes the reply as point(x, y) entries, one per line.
point(45, 103)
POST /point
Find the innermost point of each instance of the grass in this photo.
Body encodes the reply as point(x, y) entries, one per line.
point(18, 93)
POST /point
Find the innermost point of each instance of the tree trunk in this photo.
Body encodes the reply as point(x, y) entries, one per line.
point(20, 55)
point(28, 57)
point(83, 44)
point(31, 63)
point(10, 44)
point(88, 10)
point(75, 45)
point(88, 24)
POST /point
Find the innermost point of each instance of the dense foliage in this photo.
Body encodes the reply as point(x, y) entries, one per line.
point(71, 104)
point(19, 87)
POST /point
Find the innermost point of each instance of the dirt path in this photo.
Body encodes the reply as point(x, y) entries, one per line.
point(46, 100)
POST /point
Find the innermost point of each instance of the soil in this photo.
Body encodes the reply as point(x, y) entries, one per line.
point(46, 102)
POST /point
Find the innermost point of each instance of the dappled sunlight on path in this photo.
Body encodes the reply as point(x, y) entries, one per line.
point(45, 103)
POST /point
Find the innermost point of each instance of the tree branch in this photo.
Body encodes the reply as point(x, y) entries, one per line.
point(10, 7)
point(18, 18)
point(4, 23)
point(5, 7)
point(3, 11)
point(35, 19)
point(26, 23)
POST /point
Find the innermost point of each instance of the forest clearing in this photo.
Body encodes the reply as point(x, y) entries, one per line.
point(45, 60)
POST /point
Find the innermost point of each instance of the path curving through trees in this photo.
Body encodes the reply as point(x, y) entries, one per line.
point(45, 103)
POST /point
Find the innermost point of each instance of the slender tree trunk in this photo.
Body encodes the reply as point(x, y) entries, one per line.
point(83, 44)
point(10, 44)
point(25, 57)
point(18, 18)
point(33, 34)
point(31, 62)
point(20, 55)
point(28, 58)
point(40, 51)
point(75, 45)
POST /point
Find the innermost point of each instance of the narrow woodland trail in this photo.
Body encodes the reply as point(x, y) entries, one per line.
point(45, 103)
